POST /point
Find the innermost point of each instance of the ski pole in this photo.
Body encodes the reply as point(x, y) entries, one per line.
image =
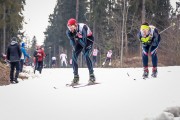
point(167, 28)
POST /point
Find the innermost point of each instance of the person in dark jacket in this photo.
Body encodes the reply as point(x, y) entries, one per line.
point(150, 39)
point(13, 56)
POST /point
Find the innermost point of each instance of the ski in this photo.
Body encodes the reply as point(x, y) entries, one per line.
point(72, 85)
point(145, 77)
point(85, 85)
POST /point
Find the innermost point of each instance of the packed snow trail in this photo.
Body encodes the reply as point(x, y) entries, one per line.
point(122, 95)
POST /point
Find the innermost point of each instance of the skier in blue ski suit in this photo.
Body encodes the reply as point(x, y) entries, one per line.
point(150, 39)
point(81, 40)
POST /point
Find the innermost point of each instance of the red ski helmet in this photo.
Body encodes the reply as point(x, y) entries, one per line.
point(72, 21)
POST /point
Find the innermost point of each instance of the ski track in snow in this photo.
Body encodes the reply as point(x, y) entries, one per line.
point(122, 95)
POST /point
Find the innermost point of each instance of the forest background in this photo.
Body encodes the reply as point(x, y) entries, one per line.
point(115, 24)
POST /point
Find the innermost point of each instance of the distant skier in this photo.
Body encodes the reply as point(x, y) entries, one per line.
point(63, 58)
point(150, 38)
point(53, 63)
point(81, 39)
point(108, 58)
point(95, 53)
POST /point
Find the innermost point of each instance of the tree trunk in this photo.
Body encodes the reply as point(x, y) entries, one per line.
point(4, 28)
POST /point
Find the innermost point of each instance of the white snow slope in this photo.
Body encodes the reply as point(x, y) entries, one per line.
point(118, 97)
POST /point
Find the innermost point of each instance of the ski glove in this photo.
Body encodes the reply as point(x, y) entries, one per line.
point(146, 40)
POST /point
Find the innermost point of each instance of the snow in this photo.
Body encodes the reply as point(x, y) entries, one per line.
point(122, 95)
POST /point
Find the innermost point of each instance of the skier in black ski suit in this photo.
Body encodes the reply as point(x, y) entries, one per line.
point(150, 39)
point(81, 39)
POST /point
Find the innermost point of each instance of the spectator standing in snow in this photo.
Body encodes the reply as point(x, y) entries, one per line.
point(13, 56)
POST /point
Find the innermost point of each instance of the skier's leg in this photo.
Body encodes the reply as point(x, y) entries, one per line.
point(41, 67)
point(109, 61)
point(17, 71)
point(154, 55)
point(12, 66)
point(87, 52)
point(75, 55)
point(21, 65)
point(61, 63)
point(38, 65)
point(65, 63)
point(94, 60)
point(104, 62)
point(154, 60)
point(145, 50)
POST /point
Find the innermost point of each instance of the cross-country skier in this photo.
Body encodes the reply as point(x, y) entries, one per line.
point(53, 62)
point(81, 39)
point(63, 58)
point(95, 53)
point(150, 38)
point(108, 58)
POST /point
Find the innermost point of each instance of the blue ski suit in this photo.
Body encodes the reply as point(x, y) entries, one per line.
point(81, 41)
point(152, 45)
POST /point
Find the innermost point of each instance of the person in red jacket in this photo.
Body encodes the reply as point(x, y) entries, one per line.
point(39, 56)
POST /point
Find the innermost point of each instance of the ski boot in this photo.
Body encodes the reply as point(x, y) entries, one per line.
point(154, 72)
point(92, 79)
point(16, 81)
point(12, 81)
point(103, 64)
point(146, 72)
point(75, 81)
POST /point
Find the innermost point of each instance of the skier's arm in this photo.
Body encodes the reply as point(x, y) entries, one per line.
point(19, 51)
point(35, 54)
point(24, 52)
point(156, 36)
point(60, 56)
point(44, 55)
point(83, 41)
point(71, 38)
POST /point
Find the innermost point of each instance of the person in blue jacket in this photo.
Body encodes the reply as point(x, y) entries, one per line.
point(24, 55)
point(150, 39)
point(81, 40)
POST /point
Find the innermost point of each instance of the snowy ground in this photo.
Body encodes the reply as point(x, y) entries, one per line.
point(118, 97)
